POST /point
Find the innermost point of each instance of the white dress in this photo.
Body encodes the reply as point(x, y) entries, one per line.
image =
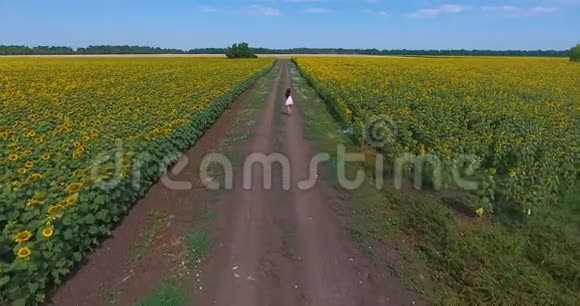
point(289, 101)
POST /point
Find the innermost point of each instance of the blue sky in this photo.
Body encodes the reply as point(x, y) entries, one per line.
point(382, 24)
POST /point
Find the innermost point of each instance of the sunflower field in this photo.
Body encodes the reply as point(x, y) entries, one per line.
point(516, 118)
point(60, 118)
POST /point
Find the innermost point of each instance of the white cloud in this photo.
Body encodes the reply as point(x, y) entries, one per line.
point(266, 11)
point(518, 11)
point(375, 12)
point(209, 9)
point(444, 9)
point(316, 10)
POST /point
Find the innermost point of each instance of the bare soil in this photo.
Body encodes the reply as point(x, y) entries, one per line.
point(279, 247)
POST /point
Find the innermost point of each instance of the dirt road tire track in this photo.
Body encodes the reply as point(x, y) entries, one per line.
point(279, 247)
point(271, 247)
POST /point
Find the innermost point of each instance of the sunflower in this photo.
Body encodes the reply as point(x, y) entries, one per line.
point(46, 156)
point(38, 140)
point(24, 252)
point(53, 211)
point(35, 177)
point(47, 232)
point(74, 187)
point(13, 157)
point(77, 144)
point(27, 152)
point(33, 202)
point(86, 138)
point(72, 199)
point(76, 155)
point(28, 164)
point(23, 236)
point(40, 195)
point(22, 170)
point(78, 172)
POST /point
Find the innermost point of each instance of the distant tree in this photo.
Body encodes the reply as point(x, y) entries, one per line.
point(575, 54)
point(241, 50)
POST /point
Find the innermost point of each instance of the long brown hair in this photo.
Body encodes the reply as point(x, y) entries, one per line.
point(288, 92)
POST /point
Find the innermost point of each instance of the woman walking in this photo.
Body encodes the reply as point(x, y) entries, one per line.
point(289, 101)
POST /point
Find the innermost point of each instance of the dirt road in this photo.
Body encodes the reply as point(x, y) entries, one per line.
point(285, 247)
point(272, 246)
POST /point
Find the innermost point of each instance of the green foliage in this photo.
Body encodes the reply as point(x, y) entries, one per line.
point(458, 260)
point(197, 244)
point(92, 212)
point(519, 143)
point(536, 263)
point(170, 293)
point(575, 54)
point(241, 50)
point(23, 50)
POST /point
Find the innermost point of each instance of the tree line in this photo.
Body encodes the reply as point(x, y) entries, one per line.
point(106, 49)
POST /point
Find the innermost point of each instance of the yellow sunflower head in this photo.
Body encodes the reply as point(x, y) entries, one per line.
point(33, 202)
point(13, 157)
point(27, 152)
point(22, 170)
point(23, 236)
point(29, 164)
point(40, 195)
point(54, 210)
point(38, 140)
point(35, 177)
point(72, 199)
point(77, 144)
point(46, 156)
point(74, 187)
point(24, 252)
point(76, 155)
point(86, 138)
point(48, 232)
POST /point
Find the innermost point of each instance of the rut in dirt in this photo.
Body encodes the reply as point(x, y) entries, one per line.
point(286, 247)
